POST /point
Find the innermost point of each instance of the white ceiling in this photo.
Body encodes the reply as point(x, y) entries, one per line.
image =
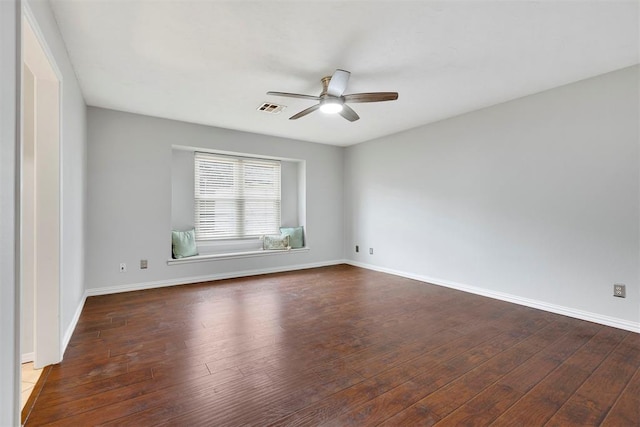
point(212, 62)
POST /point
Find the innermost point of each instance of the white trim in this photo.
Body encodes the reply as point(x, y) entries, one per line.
point(540, 305)
point(72, 325)
point(233, 153)
point(34, 26)
point(233, 255)
point(31, 19)
point(212, 277)
point(27, 357)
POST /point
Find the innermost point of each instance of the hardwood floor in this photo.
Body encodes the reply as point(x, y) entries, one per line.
point(336, 346)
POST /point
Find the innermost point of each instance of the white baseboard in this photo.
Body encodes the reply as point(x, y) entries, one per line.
point(72, 326)
point(30, 357)
point(540, 305)
point(196, 279)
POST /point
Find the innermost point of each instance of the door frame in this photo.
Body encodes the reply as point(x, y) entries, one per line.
point(47, 322)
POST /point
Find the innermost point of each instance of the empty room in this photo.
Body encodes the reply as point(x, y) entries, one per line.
point(341, 213)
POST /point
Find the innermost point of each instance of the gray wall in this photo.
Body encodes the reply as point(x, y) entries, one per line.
point(290, 198)
point(536, 198)
point(182, 190)
point(129, 209)
point(9, 83)
point(73, 167)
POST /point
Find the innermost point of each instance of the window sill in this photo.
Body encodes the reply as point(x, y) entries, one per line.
point(233, 255)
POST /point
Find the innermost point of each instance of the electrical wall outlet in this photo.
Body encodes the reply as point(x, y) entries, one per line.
point(370, 251)
point(123, 267)
point(357, 248)
point(143, 264)
point(619, 290)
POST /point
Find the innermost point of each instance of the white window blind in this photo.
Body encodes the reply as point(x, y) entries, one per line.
point(236, 197)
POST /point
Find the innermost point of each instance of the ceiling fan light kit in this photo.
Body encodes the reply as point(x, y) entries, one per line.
point(330, 106)
point(332, 99)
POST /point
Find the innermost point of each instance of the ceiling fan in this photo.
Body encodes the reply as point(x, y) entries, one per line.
point(332, 99)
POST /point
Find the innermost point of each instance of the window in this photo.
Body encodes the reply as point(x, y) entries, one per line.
point(236, 197)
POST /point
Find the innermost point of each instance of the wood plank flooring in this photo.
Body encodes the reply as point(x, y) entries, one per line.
point(336, 346)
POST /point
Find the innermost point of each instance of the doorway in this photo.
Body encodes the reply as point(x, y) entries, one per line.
point(39, 201)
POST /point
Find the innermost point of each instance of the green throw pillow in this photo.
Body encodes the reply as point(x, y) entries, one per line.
point(184, 243)
point(275, 243)
point(296, 236)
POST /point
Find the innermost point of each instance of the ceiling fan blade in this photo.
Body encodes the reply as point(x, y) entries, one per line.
point(348, 113)
point(305, 112)
point(338, 83)
point(371, 97)
point(294, 95)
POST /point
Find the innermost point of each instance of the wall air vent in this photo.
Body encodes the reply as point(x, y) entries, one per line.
point(270, 108)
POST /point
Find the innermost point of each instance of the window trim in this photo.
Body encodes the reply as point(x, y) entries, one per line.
point(233, 255)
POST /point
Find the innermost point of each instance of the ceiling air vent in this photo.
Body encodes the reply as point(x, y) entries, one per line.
point(270, 108)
